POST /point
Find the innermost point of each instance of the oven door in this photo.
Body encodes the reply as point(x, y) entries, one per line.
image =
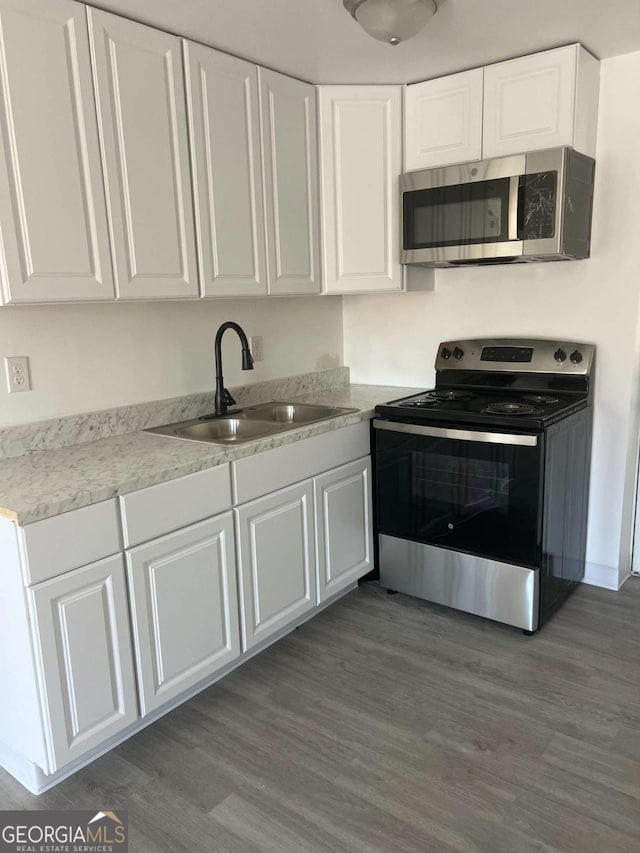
point(471, 491)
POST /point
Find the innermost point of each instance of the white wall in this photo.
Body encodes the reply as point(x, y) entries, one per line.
point(87, 357)
point(393, 339)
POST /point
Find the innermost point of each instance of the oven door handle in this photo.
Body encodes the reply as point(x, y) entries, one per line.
point(459, 434)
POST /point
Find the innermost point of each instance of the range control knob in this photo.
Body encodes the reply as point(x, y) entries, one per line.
point(576, 356)
point(445, 353)
point(560, 355)
point(458, 353)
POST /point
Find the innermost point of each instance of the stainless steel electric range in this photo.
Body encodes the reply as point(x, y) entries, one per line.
point(482, 483)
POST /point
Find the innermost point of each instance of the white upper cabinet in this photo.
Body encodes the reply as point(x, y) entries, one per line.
point(360, 163)
point(545, 100)
point(290, 162)
point(54, 237)
point(443, 121)
point(541, 101)
point(139, 86)
point(222, 100)
point(248, 198)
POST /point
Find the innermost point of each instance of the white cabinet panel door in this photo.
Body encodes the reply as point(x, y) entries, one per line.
point(360, 165)
point(184, 608)
point(290, 147)
point(54, 236)
point(139, 86)
point(86, 659)
point(344, 526)
point(533, 102)
point(224, 122)
point(443, 121)
point(276, 561)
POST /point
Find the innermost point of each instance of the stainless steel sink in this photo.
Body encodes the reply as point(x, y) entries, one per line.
point(293, 413)
point(251, 423)
point(227, 430)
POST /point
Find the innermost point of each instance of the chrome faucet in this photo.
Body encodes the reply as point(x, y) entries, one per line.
point(223, 398)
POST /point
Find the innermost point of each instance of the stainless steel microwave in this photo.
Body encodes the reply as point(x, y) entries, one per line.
point(528, 207)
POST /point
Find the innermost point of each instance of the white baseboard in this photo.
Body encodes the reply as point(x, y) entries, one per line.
point(26, 772)
point(607, 577)
point(624, 579)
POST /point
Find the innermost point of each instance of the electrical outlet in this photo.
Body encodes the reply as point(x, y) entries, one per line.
point(17, 370)
point(257, 348)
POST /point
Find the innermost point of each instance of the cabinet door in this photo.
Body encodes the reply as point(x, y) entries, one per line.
point(184, 606)
point(84, 647)
point(54, 236)
point(139, 87)
point(344, 526)
point(443, 121)
point(290, 156)
point(360, 163)
point(222, 97)
point(531, 102)
point(276, 561)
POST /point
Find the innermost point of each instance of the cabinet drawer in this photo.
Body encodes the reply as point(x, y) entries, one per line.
point(64, 542)
point(160, 509)
point(257, 475)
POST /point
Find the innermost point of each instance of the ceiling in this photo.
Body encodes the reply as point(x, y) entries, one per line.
point(318, 41)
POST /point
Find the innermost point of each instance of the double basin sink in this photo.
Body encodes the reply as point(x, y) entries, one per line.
point(250, 423)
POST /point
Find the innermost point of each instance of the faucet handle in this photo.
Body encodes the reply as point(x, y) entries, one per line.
point(228, 399)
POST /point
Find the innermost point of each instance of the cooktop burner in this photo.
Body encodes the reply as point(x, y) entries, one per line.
point(508, 408)
point(449, 394)
point(421, 402)
point(540, 399)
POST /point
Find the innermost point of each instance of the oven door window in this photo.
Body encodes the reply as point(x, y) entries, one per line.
point(458, 215)
point(481, 498)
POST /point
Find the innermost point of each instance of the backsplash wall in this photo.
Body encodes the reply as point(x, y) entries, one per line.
point(88, 357)
point(393, 339)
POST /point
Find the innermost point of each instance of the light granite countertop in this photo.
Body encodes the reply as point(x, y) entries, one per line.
point(44, 483)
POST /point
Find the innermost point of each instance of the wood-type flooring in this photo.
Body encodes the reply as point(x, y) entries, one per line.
point(388, 725)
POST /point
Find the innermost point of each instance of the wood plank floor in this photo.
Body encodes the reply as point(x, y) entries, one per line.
point(388, 725)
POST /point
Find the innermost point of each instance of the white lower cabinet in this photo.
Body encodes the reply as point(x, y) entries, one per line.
point(83, 648)
point(284, 531)
point(343, 526)
point(184, 608)
point(276, 561)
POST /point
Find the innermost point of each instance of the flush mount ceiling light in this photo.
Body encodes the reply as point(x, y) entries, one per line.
point(392, 21)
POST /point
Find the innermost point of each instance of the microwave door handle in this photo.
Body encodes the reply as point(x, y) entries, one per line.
point(516, 206)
